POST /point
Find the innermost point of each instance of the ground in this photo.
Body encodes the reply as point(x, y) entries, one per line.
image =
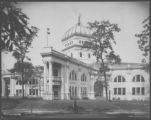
point(64, 108)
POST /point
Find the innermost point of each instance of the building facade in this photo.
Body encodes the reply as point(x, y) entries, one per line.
point(12, 87)
point(73, 72)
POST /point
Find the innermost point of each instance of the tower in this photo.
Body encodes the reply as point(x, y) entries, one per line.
point(73, 40)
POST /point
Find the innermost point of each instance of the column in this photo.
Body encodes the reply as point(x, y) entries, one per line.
point(11, 86)
point(44, 84)
point(3, 86)
point(50, 81)
point(92, 95)
point(62, 83)
point(128, 86)
point(91, 85)
point(67, 81)
point(79, 84)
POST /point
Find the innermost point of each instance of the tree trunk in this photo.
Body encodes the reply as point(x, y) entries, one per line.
point(0, 83)
point(105, 86)
point(0, 75)
point(104, 74)
point(22, 77)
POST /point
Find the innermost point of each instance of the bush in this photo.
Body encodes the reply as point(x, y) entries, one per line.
point(85, 98)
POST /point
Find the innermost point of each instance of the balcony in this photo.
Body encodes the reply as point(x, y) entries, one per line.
point(56, 80)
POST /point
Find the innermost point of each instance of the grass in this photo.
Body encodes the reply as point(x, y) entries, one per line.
point(84, 105)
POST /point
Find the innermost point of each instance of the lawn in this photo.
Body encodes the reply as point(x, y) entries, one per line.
point(83, 105)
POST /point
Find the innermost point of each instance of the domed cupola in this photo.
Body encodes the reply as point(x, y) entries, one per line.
point(77, 30)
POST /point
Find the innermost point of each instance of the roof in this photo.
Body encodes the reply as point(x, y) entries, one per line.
point(66, 58)
point(78, 30)
point(94, 66)
point(120, 66)
point(124, 66)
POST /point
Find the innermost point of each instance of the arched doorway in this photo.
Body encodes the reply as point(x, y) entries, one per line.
point(98, 89)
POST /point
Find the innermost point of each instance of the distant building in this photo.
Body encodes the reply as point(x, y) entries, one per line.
point(11, 85)
point(73, 73)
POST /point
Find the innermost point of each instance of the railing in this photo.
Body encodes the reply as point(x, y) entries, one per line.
point(56, 80)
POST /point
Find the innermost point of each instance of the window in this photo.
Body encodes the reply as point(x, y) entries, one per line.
point(142, 91)
point(55, 72)
point(17, 92)
point(30, 91)
point(124, 91)
point(80, 54)
point(138, 91)
point(83, 91)
point(83, 77)
point(70, 91)
point(33, 91)
point(142, 79)
point(115, 80)
point(70, 76)
point(133, 91)
point(33, 82)
point(75, 91)
point(115, 91)
point(138, 78)
point(73, 75)
point(119, 91)
point(119, 79)
point(36, 91)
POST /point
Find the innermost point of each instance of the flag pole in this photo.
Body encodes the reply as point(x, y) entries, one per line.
point(48, 32)
point(47, 38)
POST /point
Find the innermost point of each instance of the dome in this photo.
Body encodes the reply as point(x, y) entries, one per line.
point(78, 30)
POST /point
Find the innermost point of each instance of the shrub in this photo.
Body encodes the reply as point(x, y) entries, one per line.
point(85, 98)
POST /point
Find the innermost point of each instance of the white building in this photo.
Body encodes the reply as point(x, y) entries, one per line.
point(11, 86)
point(74, 72)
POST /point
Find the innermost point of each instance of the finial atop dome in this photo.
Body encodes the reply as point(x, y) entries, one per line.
point(79, 19)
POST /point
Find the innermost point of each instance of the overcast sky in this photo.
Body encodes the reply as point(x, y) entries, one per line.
point(60, 16)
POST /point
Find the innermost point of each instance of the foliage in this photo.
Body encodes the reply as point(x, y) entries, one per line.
point(38, 71)
point(98, 88)
point(22, 45)
point(101, 44)
point(144, 37)
point(27, 69)
point(13, 23)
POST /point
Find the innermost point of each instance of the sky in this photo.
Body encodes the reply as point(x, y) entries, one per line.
point(60, 16)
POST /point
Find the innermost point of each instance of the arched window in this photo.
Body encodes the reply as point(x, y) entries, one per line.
point(89, 55)
point(119, 78)
point(83, 77)
point(80, 54)
point(138, 78)
point(73, 75)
